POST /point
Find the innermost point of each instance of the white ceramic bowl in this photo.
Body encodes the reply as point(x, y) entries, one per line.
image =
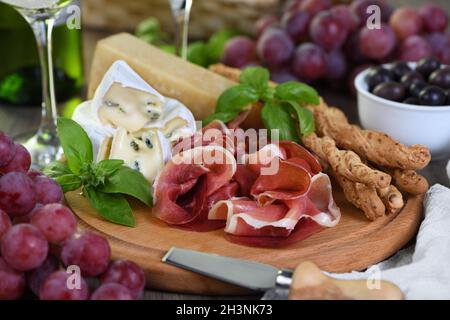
point(409, 124)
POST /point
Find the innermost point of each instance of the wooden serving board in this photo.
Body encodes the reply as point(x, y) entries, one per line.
point(353, 244)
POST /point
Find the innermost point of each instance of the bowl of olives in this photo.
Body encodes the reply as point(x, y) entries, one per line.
point(408, 101)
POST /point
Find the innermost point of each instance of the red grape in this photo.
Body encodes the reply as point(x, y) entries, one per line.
point(47, 190)
point(377, 43)
point(327, 31)
point(7, 149)
point(434, 17)
point(89, 251)
point(239, 51)
point(32, 174)
point(128, 274)
point(55, 221)
point(24, 247)
point(12, 282)
point(315, 6)
point(292, 5)
point(275, 46)
point(444, 54)
point(346, 16)
point(27, 218)
point(265, 22)
point(352, 50)
point(36, 277)
point(296, 24)
point(405, 22)
point(5, 223)
point(336, 65)
point(111, 291)
point(309, 62)
point(282, 75)
point(414, 48)
point(17, 194)
point(20, 162)
point(386, 9)
point(438, 41)
point(359, 8)
point(56, 287)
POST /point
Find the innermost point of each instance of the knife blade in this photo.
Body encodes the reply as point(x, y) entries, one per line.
point(248, 274)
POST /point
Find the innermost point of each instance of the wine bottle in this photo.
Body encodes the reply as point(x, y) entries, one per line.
point(20, 79)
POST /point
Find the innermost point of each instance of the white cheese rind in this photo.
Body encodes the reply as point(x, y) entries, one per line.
point(100, 135)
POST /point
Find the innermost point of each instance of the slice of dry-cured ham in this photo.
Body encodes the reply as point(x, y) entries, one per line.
point(272, 197)
point(187, 181)
point(296, 153)
point(253, 224)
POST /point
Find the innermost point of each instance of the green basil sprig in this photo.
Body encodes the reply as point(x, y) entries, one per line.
point(105, 184)
point(283, 106)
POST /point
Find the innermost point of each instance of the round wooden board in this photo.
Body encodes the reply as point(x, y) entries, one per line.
point(353, 244)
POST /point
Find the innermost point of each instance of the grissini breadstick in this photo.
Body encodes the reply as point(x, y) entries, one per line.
point(346, 163)
point(362, 196)
point(392, 199)
point(409, 181)
point(377, 147)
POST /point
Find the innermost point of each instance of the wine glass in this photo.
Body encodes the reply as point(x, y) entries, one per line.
point(44, 146)
point(181, 12)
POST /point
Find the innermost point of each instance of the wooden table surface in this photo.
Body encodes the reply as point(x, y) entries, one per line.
point(19, 120)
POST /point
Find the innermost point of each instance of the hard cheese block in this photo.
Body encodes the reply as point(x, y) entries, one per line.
point(196, 87)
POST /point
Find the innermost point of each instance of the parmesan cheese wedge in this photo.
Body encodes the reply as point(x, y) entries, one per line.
point(194, 86)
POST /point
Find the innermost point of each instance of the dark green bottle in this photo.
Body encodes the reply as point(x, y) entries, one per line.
point(20, 80)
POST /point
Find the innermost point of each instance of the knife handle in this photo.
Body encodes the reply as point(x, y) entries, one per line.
point(309, 283)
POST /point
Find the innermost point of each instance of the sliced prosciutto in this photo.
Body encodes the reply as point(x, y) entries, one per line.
point(251, 221)
point(272, 197)
point(191, 182)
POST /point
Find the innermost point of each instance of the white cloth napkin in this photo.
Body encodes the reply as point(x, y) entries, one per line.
point(423, 271)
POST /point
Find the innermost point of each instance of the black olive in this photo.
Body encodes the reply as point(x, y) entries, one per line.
point(432, 96)
point(390, 90)
point(412, 100)
point(409, 78)
point(427, 65)
point(416, 88)
point(447, 92)
point(440, 78)
point(399, 69)
point(378, 75)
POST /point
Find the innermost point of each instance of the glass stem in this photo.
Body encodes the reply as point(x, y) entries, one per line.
point(181, 16)
point(43, 32)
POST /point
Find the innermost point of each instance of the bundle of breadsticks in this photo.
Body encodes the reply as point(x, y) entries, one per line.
point(373, 170)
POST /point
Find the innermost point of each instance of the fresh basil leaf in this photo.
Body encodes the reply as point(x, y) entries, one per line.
point(255, 77)
point(268, 94)
point(277, 116)
point(305, 119)
point(236, 98)
point(296, 91)
point(114, 208)
point(222, 116)
point(56, 168)
point(69, 182)
point(108, 167)
point(76, 144)
point(130, 182)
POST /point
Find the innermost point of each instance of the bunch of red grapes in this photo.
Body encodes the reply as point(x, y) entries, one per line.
point(314, 39)
point(38, 236)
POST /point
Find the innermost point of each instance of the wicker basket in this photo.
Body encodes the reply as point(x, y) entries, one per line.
point(208, 16)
